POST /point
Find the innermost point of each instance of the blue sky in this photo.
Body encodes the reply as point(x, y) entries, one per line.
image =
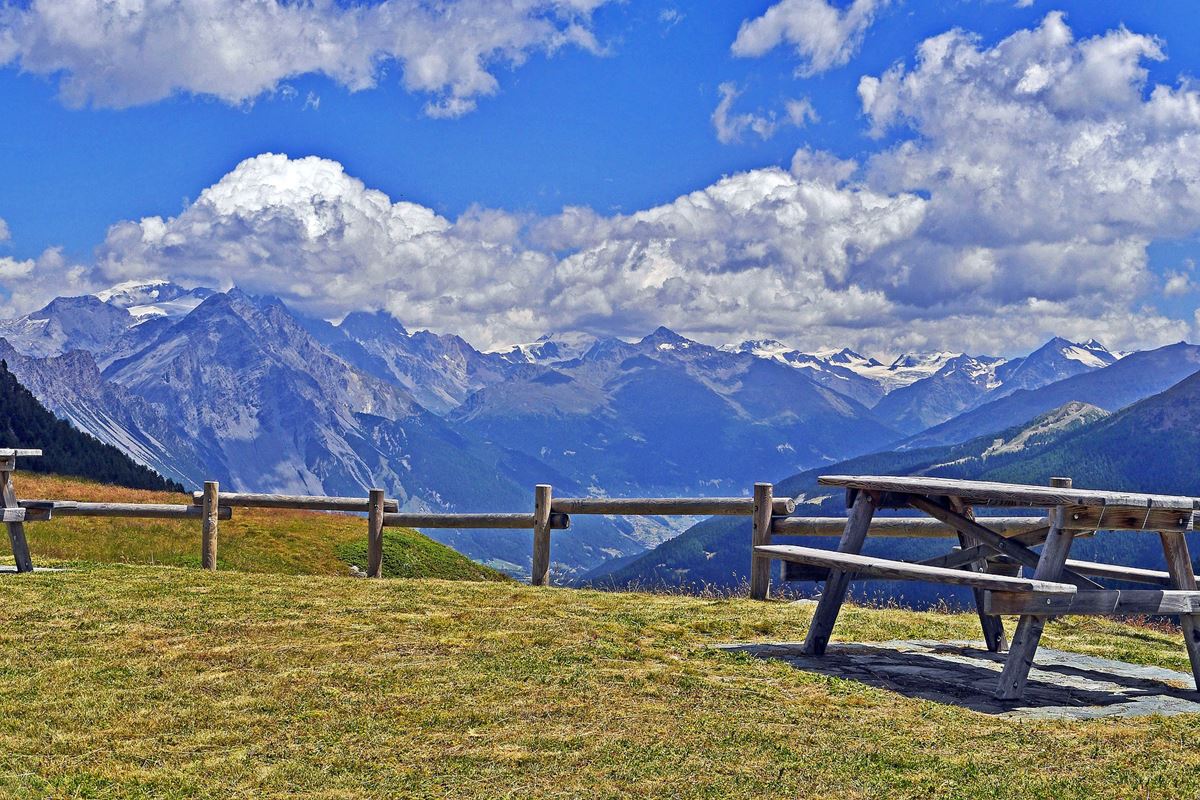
point(620, 126)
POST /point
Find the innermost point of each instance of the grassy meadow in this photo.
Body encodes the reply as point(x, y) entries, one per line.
point(146, 677)
point(255, 540)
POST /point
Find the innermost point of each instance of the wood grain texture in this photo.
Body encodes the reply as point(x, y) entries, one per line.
point(760, 565)
point(1007, 546)
point(1006, 494)
point(543, 497)
point(669, 506)
point(375, 504)
point(833, 594)
point(209, 527)
point(297, 502)
point(1051, 565)
point(16, 528)
point(900, 527)
point(517, 521)
point(1104, 602)
point(72, 508)
point(904, 571)
point(1183, 576)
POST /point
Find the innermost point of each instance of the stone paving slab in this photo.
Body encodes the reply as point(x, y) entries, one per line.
point(1061, 685)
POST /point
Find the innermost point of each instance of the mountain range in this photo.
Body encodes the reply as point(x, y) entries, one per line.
point(202, 384)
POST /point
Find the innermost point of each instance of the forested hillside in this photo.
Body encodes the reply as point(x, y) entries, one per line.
point(24, 422)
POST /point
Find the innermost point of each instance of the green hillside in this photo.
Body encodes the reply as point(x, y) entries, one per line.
point(140, 682)
point(255, 540)
point(24, 422)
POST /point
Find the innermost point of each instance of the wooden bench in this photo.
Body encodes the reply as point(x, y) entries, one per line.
point(907, 571)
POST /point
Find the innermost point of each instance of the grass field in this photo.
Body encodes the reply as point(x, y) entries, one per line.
point(136, 681)
point(255, 540)
point(135, 674)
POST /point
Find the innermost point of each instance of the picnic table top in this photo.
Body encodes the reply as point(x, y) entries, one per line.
point(1008, 494)
point(8, 452)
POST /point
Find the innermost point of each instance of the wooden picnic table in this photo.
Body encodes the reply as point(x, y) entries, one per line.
point(990, 562)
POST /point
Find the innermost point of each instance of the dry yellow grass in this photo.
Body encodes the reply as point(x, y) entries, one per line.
point(123, 681)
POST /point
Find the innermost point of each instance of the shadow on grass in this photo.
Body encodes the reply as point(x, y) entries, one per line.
point(1061, 685)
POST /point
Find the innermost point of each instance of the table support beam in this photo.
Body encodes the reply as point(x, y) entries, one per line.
point(992, 625)
point(1179, 564)
point(834, 592)
point(994, 540)
point(1029, 629)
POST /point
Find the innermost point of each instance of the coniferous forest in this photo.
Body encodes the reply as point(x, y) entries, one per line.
point(24, 422)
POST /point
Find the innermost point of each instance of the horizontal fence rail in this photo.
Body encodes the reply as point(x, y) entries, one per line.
point(40, 510)
point(667, 506)
point(296, 502)
point(558, 522)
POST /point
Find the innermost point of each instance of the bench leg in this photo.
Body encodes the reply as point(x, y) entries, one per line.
point(16, 530)
point(1029, 629)
point(992, 625)
point(834, 592)
point(1179, 564)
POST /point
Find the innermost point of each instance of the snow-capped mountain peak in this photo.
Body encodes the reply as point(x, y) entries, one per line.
point(147, 299)
point(548, 348)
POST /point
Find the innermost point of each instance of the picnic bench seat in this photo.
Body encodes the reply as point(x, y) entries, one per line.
point(907, 571)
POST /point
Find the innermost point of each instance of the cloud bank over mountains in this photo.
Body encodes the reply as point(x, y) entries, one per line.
point(120, 53)
point(1027, 182)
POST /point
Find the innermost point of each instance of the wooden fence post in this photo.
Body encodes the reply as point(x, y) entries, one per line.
point(760, 566)
point(540, 574)
point(375, 533)
point(212, 507)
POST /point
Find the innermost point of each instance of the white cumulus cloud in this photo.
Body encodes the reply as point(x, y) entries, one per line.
point(731, 126)
point(822, 35)
point(121, 53)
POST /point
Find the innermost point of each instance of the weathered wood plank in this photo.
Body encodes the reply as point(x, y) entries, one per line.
point(558, 522)
point(833, 594)
point(543, 499)
point(669, 506)
point(71, 508)
point(296, 502)
point(209, 527)
point(12, 515)
point(760, 566)
point(900, 527)
point(16, 528)
point(1183, 576)
point(1126, 518)
point(1008, 547)
point(1006, 494)
point(10, 452)
point(1104, 602)
point(905, 571)
point(1051, 565)
point(991, 626)
point(375, 504)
